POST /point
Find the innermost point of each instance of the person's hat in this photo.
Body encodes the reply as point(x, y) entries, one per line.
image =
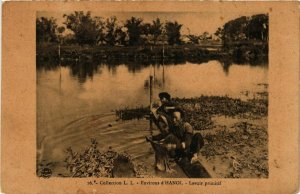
point(164, 95)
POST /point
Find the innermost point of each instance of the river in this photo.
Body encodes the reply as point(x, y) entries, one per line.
point(75, 104)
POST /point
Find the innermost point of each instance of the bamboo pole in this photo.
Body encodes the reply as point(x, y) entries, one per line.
point(59, 51)
point(151, 95)
point(59, 68)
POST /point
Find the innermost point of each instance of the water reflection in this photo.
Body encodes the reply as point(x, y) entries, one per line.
point(86, 68)
point(75, 91)
point(83, 71)
point(75, 98)
point(103, 87)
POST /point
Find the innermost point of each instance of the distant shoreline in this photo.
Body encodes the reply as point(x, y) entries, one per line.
point(243, 52)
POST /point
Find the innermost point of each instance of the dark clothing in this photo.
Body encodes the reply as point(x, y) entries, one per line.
point(184, 133)
point(162, 117)
point(167, 108)
point(179, 134)
point(196, 144)
point(159, 137)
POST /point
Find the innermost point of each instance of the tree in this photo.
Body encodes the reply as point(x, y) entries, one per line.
point(100, 23)
point(156, 29)
point(122, 37)
point(220, 33)
point(112, 29)
point(84, 27)
point(60, 31)
point(236, 30)
point(193, 39)
point(255, 27)
point(134, 30)
point(173, 32)
point(146, 29)
point(258, 27)
point(204, 36)
point(46, 30)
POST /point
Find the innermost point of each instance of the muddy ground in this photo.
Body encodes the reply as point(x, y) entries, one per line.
point(235, 134)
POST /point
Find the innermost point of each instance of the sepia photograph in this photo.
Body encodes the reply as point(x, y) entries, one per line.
point(152, 94)
point(150, 97)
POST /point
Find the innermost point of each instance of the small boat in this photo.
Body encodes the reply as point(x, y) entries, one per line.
point(191, 170)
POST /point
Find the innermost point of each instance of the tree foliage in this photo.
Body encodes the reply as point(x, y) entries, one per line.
point(112, 29)
point(46, 30)
point(243, 28)
point(173, 32)
point(236, 29)
point(84, 27)
point(101, 28)
point(193, 38)
point(220, 33)
point(156, 29)
point(135, 30)
point(258, 27)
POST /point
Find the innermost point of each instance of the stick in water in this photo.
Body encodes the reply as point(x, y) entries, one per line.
point(151, 94)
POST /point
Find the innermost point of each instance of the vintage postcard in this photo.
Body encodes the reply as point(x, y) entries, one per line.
point(150, 97)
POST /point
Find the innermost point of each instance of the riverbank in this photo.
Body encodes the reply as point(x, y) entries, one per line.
point(166, 54)
point(199, 111)
point(235, 133)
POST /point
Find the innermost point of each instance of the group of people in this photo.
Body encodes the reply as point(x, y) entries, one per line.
point(176, 135)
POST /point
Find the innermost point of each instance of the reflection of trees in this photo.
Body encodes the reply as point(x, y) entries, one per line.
point(47, 64)
point(226, 62)
point(84, 70)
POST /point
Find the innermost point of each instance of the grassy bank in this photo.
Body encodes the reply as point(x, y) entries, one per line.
point(235, 133)
point(199, 111)
point(96, 162)
point(238, 150)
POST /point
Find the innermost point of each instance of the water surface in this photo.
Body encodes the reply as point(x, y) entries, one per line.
point(76, 103)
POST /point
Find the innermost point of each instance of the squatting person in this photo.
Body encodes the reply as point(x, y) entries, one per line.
point(182, 141)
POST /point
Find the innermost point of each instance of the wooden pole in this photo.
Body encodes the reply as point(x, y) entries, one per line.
point(151, 95)
point(163, 75)
point(163, 64)
point(59, 50)
point(59, 68)
point(163, 50)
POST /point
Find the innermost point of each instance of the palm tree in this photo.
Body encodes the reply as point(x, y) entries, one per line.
point(134, 26)
point(173, 32)
point(156, 29)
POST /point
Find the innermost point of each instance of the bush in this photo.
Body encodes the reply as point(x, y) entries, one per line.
point(93, 163)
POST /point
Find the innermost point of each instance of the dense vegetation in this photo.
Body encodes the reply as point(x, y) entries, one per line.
point(88, 30)
point(91, 41)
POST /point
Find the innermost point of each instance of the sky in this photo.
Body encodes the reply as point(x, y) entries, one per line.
point(193, 22)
